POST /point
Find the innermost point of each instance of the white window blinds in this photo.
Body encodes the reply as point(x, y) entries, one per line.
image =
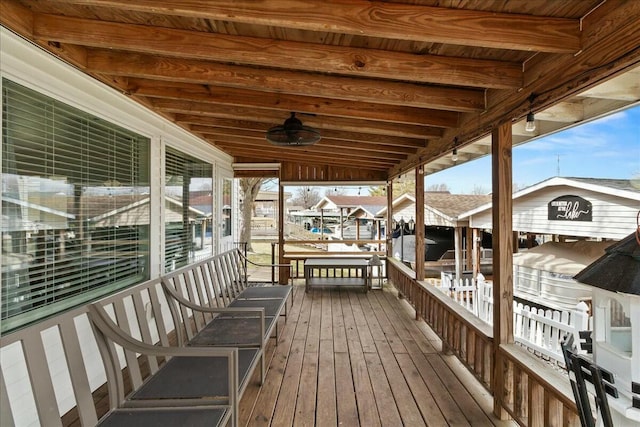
point(75, 206)
point(188, 209)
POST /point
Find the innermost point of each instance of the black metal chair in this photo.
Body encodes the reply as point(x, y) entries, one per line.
point(584, 370)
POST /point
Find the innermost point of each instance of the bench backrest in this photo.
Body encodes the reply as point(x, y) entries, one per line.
point(141, 312)
point(49, 368)
point(213, 282)
point(54, 365)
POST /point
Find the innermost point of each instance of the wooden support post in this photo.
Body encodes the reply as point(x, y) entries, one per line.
point(283, 273)
point(475, 250)
point(468, 239)
point(457, 246)
point(502, 216)
point(419, 230)
point(389, 226)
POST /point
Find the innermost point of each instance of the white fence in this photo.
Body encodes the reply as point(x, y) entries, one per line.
point(537, 329)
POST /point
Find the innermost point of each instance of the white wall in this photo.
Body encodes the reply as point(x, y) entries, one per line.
point(28, 65)
point(614, 217)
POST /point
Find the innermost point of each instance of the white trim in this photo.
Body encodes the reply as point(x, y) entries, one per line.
point(156, 222)
point(396, 202)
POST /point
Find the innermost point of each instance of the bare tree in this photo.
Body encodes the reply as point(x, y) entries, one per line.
point(479, 189)
point(249, 188)
point(306, 196)
point(441, 187)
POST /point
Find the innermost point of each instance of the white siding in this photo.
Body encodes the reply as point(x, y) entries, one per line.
point(614, 217)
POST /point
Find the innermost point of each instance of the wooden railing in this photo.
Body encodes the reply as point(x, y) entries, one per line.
point(470, 339)
point(534, 393)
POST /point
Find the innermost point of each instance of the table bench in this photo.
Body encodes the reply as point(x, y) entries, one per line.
point(336, 272)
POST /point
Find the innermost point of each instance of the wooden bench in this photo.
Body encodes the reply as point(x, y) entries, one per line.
point(56, 365)
point(336, 272)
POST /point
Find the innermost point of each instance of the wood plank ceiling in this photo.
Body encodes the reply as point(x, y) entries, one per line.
point(389, 85)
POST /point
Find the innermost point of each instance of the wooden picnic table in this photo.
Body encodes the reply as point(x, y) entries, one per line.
point(336, 272)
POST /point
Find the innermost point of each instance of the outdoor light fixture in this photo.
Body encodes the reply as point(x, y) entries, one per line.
point(454, 153)
point(412, 224)
point(531, 122)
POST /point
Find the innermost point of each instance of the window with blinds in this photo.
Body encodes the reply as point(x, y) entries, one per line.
point(75, 206)
point(188, 209)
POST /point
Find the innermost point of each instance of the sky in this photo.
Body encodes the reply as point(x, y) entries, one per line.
point(604, 148)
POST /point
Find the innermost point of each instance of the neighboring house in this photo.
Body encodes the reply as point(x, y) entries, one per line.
point(580, 217)
point(444, 226)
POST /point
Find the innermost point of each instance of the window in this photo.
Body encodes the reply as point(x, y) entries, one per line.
point(188, 207)
point(619, 335)
point(75, 193)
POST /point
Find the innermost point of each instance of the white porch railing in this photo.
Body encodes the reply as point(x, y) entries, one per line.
point(537, 329)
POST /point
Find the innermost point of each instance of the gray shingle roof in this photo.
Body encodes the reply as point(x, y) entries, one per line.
point(453, 205)
point(617, 184)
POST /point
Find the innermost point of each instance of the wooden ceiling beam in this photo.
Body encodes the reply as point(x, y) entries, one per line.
point(296, 103)
point(327, 141)
point(345, 149)
point(231, 111)
point(275, 155)
point(378, 19)
point(403, 134)
point(271, 53)
point(284, 82)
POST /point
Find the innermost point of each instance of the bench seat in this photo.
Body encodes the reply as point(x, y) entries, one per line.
point(233, 329)
point(144, 417)
point(204, 378)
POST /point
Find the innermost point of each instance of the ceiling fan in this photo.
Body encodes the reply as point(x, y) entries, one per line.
point(292, 133)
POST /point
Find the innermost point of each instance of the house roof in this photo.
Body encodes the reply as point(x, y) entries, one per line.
point(450, 206)
point(618, 270)
point(454, 205)
point(351, 201)
point(616, 184)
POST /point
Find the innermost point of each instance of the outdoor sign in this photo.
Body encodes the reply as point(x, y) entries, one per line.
point(570, 208)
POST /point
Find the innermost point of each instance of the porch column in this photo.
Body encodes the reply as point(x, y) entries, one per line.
point(457, 249)
point(502, 217)
point(468, 249)
point(388, 227)
point(475, 253)
point(419, 230)
point(284, 272)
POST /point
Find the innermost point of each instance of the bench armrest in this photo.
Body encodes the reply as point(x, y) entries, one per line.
point(101, 320)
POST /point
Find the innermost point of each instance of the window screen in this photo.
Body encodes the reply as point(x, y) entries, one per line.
point(75, 206)
point(188, 207)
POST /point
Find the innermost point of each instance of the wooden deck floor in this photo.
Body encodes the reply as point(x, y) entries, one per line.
point(353, 359)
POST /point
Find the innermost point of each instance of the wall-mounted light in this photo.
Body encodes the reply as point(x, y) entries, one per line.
point(530, 126)
point(454, 153)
